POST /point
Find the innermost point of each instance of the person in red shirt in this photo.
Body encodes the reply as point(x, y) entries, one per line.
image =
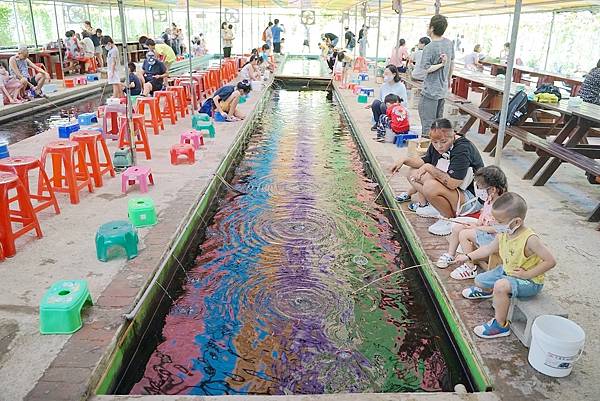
point(395, 118)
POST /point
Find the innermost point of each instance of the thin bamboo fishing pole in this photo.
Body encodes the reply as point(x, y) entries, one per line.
point(386, 276)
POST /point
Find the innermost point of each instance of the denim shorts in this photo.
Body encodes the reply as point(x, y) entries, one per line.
point(520, 288)
point(470, 204)
point(483, 238)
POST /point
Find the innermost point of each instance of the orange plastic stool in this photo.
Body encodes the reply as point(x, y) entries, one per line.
point(21, 165)
point(186, 150)
point(75, 176)
point(181, 102)
point(168, 110)
point(69, 82)
point(188, 85)
point(155, 120)
point(141, 142)
point(360, 65)
point(24, 215)
point(88, 142)
point(112, 112)
point(207, 86)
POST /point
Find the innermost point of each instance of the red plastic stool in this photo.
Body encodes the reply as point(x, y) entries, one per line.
point(21, 165)
point(360, 65)
point(88, 143)
point(186, 150)
point(181, 102)
point(194, 138)
point(168, 110)
point(141, 142)
point(25, 215)
point(207, 86)
point(155, 120)
point(75, 176)
point(189, 86)
point(112, 112)
point(69, 82)
point(136, 173)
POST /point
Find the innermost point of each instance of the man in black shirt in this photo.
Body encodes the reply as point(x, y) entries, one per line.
point(443, 178)
point(350, 38)
point(154, 73)
point(330, 39)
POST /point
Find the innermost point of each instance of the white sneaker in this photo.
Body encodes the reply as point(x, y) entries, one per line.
point(441, 228)
point(444, 261)
point(428, 211)
point(464, 272)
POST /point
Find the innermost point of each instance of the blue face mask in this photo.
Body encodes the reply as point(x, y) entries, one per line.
point(505, 228)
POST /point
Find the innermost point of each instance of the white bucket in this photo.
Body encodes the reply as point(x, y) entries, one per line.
point(556, 344)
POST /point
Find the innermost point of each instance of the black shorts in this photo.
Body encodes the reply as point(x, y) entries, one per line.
point(305, 43)
point(277, 47)
point(32, 81)
point(156, 86)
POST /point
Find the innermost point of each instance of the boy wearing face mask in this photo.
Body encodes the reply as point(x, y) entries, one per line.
point(525, 259)
point(489, 184)
point(112, 63)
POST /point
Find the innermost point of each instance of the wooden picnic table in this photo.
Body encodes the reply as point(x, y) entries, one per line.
point(574, 83)
point(571, 128)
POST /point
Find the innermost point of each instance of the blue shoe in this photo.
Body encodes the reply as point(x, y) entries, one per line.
point(403, 197)
point(475, 293)
point(414, 206)
point(492, 329)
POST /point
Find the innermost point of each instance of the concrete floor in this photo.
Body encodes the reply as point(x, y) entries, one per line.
point(67, 251)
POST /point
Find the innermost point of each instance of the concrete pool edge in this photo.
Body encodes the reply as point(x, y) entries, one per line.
point(479, 373)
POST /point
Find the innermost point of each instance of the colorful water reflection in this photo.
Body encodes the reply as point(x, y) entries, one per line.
point(269, 306)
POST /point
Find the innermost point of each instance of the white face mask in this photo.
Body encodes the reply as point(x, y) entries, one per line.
point(387, 78)
point(480, 193)
point(505, 228)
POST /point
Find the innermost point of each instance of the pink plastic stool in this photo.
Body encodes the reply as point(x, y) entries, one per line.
point(136, 173)
point(194, 138)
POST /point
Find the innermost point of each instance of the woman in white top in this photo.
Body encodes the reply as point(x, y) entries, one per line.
point(472, 60)
point(392, 83)
point(250, 70)
point(87, 45)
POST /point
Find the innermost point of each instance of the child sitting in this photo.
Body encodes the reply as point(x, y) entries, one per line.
point(490, 183)
point(525, 259)
point(395, 117)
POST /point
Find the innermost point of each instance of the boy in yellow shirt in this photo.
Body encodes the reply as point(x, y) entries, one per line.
point(165, 52)
point(525, 259)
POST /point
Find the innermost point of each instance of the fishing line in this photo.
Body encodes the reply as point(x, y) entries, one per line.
point(386, 276)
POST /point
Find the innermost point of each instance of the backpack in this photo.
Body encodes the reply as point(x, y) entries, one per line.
point(549, 88)
point(517, 109)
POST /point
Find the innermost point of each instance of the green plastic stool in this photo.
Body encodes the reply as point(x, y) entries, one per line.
point(200, 123)
point(142, 212)
point(363, 98)
point(60, 309)
point(119, 232)
point(122, 158)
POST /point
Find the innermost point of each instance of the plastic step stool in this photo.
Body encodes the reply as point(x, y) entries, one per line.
point(122, 158)
point(116, 233)
point(368, 91)
point(92, 77)
point(141, 212)
point(65, 130)
point(186, 150)
point(203, 125)
point(363, 76)
point(61, 305)
point(362, 98)
point(87, 119)
point(201, 117)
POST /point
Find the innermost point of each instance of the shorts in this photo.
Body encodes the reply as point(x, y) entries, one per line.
point(156, 86)
point(277, 47)
point(113, 79)
point(305, 43)
point(520, 288)
point(483, 238)
point(470, 204)
point(32, 81)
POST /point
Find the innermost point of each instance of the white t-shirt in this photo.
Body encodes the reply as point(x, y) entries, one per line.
point(471, 59)
point(88, 46)
point(245, 72)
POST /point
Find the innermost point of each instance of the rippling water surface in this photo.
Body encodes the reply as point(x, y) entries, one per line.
point(269, 306)
point(303, 66)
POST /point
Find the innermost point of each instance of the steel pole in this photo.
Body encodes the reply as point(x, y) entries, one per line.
point(378, 32)
point(189, 29)
point(60, 58)
point(355, 29)
point(508, 81)
point(221, 35)
point(398, 33)
point(112, 29)
point(549, 41)
point(242, 18)
point(33, 23)
point(132, 135)
point(146, 18)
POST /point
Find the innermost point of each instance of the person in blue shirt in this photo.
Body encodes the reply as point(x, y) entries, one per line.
point(154, 73)
point(225, 100)
point(135, 84)
point(276, 31)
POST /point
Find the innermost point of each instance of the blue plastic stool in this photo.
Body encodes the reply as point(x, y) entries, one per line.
point(368, 91)
point(400, 140)
point(4, 150)
point(201, 122)
point(92, 77)
point(363, 76)
point(87, 119)
point(49, 88)
point(116, 233)
point(65, 130)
